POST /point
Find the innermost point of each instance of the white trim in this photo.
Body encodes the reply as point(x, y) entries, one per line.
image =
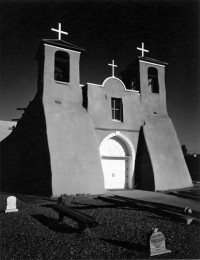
point(111, 129)
point(132, 90)
point(62, 82)
point(116, 79)
point(130, 157)
point(125, 89)
point(94, 84)
point(115, 157)
point(152, 63)
point(113, 78)
point(116, 120)
point(125, 139)
point(61, 48)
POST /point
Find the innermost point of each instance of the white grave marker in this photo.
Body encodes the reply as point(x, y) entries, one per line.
point(11, 204)
point(189, 219)
point(157, 243)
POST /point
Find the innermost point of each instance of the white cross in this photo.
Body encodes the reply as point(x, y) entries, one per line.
point(113, 67)
point(59, 31)
point(142, 49)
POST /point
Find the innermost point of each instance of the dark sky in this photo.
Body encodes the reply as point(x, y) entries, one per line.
point(106, 30)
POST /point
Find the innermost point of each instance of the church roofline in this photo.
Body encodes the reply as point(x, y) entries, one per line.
point(150, 60)
point(102, 86)
point(62, 44)
point(89, 83)
point(113, 78)
point(127, 90)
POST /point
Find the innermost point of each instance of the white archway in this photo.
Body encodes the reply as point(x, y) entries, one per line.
point(118, 159)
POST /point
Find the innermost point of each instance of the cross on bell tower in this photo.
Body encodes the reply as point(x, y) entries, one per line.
point(113, 67)
point(142, 49)
point(60, 32)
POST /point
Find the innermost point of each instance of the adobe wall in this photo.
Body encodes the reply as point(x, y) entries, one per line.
point(99, 109)
point(152, 102)
point(75, 161)
point(25, 159)
point(6, 128)
point(99, 105)
point(169, 167)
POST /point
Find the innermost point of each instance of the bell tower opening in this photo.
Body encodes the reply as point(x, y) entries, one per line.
point(153, 80)
point(58, 75)
point(62, 66)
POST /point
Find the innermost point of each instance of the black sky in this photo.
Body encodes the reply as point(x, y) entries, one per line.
point(107, 30)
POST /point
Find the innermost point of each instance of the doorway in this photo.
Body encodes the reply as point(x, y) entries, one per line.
point(115, 163)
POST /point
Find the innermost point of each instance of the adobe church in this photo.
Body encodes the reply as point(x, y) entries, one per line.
point(75, 139)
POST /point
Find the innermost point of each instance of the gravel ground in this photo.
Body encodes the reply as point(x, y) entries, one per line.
point(34, 233)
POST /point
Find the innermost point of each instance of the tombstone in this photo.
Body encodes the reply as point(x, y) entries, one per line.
point(189, 218)
point(11, 204)
point(157, 243)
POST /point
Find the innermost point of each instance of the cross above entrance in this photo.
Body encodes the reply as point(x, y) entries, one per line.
point(142, 49)
point(113, 67)
point(60, 32)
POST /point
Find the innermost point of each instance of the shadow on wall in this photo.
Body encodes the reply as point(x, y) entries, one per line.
point(25, 158)
point(144, 176)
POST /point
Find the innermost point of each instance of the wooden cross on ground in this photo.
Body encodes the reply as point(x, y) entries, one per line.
point(113, 67)
point(142, 49)
point(60, 32)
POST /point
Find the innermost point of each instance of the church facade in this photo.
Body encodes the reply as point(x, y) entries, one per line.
point(75, 139)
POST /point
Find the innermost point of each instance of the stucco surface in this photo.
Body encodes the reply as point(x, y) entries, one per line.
point(152, 102)
point(4, 128)
point(99, 105)
point(64, 137)
point(75, 160)
point(169, 167)
point(74, 155)
point(74, 56)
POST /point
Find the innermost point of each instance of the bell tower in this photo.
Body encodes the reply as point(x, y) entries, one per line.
point(58, 77)
point(167, 162)
point(160, 160)
point(152, 84)
point(74, 167)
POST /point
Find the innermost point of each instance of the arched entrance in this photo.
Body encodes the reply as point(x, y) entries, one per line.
point(116, 159)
